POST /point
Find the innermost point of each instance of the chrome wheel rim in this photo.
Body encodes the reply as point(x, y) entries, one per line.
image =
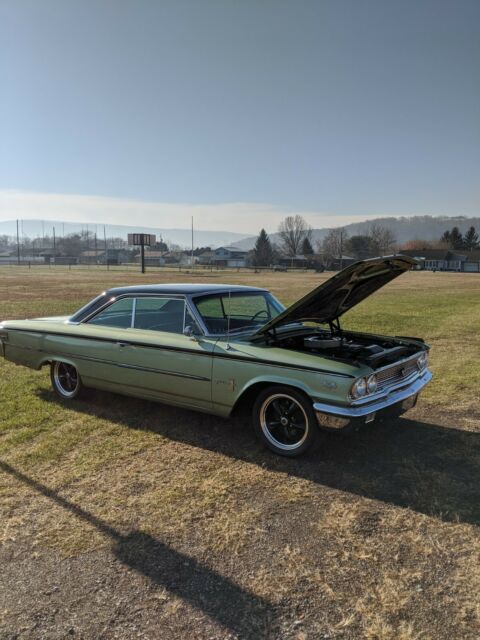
point(66, 379)
point(284, 422)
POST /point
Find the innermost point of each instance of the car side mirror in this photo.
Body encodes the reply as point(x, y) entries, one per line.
point(191, 332)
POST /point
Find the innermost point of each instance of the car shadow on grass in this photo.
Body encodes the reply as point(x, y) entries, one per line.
point(236, 609)
point(430, 468)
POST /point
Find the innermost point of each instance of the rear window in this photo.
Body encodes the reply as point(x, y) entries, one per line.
point(118, 314)
point(160, 314)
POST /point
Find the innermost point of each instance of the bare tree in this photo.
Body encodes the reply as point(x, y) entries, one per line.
point(333, 246)
point(382, 238)
point(293, 231)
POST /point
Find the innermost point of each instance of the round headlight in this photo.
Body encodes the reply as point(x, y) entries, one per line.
point(359, 388)
point(422, 361)
point(372, 384)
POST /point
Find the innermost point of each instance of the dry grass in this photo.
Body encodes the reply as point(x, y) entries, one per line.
point(184, 527)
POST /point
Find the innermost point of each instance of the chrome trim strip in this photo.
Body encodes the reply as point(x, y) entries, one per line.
point(391, 399)
point(114, 299)
point(211, 354)
point(134, 309)
point(137, 368)
point(122, 365)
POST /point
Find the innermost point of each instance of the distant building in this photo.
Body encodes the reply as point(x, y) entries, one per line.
point(92, 256)
point(110, 256)
point(206, 257)
point(155, 258)
point(310, 261)
point(230, 257)
point(445, 259)
point(7, 256)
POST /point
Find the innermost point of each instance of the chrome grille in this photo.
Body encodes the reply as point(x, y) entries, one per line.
point(397, 373)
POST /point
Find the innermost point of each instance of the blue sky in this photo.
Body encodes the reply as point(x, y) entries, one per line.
point(239, 112)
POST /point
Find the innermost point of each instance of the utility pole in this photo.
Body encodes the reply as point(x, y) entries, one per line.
point(18, 246)
point(192, 242)
point(142, 252)
point(54, 245)
point(105, 243)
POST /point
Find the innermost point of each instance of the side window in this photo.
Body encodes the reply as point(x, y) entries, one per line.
point(160, 314)
point(211, 307)
point(118, 314)
point(213, 314)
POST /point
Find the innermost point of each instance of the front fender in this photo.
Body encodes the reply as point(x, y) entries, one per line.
point(231, 381)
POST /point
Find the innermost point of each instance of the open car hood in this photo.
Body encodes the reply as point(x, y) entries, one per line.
point(343, 291)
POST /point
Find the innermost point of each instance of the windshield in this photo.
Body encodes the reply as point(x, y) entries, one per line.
point(237, 312)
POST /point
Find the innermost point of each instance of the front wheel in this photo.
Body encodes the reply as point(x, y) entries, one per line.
point(66, 380)
point(285, 421)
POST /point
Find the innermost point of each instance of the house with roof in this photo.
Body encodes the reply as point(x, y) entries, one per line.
point(230, 257)
point(206, 257)
point(445, 259)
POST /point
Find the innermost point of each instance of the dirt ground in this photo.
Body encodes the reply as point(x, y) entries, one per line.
point(121, 518)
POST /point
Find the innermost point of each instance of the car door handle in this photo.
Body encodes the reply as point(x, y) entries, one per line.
point(123, 344)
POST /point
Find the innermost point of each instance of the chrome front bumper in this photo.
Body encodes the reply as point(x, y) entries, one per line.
point(334, 417)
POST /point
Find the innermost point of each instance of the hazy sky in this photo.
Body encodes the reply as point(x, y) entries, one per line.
point(335, 109)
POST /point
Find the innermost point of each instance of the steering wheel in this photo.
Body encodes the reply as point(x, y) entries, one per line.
point(255, 315)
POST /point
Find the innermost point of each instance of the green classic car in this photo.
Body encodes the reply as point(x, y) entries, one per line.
point(215, 348)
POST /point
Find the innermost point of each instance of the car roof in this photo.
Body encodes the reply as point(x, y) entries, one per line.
point(181, 288)
point(158, 289)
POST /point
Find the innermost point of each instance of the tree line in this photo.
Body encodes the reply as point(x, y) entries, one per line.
point(74, 244)
point(296, 239)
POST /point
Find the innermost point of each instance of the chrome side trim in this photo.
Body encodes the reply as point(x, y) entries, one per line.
point(210, 354)
point(134, 310)
point(391, 399)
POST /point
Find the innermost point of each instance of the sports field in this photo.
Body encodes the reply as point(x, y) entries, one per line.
point(121, 518)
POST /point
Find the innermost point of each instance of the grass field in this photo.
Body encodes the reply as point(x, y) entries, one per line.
point(126, 519)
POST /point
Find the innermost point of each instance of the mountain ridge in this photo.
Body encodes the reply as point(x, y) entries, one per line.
point(405, 228)
point(202, 238)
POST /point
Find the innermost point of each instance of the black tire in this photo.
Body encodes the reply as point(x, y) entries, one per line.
point(66, 381)
point(284, 421)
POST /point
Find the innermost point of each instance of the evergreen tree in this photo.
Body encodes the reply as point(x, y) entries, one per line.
point(453, 238)
point(446, 238)
point(471, 239)
point(307, 248)
point(456, 238)
point(361, 247)
point(263, 251)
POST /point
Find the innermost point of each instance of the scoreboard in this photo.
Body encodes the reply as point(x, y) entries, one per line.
point(141, 239)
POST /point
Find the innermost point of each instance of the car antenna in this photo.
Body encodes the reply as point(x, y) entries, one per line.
point(228, 320)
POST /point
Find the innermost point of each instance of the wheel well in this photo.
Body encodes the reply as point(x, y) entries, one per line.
point(245, 402)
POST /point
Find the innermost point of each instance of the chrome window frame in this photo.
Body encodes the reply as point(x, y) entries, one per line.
point(189, 302)
point(136, 296)
point(224, 292)
point(112, 300)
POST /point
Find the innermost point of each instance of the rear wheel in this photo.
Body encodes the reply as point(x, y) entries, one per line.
point(66, 380)
point(284, 421)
